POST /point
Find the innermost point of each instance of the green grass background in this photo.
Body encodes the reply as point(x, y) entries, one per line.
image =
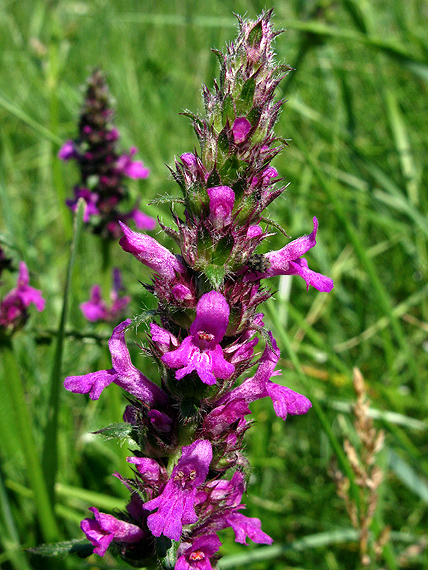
point(356, 119)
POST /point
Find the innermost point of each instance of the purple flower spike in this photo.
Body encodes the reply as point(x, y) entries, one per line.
point(222, 199)
point(123, 373)
point(176, 502)
point(106, 528)
point(147, 250)
point(241, 128)
point(286, 261)
point(201, 351)
point(197, 556)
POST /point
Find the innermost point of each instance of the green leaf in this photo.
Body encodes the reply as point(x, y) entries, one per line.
point(215, 274)
point(81, 547)
point(256, 34)
point(247, 93)
point(116, 431)
point(408, 476)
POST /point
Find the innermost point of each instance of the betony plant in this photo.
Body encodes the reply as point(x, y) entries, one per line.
point(187, 429)
point(103, 171)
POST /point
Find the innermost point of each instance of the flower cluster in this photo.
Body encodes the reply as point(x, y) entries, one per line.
point(190, 471)
point(97, 310)
point(102, 169)
point(13, 307)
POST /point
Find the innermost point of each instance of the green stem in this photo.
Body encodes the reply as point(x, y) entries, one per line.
point(50, 447)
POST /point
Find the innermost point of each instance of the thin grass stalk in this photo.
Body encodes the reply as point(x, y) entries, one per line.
point(24, 430)
point(9, 533)
point(50, 447)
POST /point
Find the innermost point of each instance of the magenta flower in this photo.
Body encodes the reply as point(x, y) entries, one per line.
point(176, 502)
point(285, 401)
point(222, 199)
point(246, 527)
point(201, 350)
point(131, 168)
point(67, 151)
point(13, 308)
point(150, 252)
point(288, 261)
point(97, 310)
point(223, 417)
point(106, 528)
point(241, 128)
point(219, 503)
point(196, 555)
point(123, 373)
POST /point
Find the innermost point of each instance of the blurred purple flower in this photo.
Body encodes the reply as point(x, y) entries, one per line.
point(103, 171)
point(13, 308)
point(97, 310)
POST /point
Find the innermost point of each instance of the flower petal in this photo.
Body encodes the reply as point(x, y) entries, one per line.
point(286, 401)
point(212, 315)
point(147, 250)
point(92, 383)
point(241, 128)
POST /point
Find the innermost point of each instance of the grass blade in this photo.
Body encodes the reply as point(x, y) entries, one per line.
point(50, 451)
point(24, 429)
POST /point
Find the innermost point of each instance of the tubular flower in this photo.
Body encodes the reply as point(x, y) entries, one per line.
point(105, 528)
point(201, 350)
point(288, 261)
point(176, 502)
point(123, 373)
point(188, 430)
